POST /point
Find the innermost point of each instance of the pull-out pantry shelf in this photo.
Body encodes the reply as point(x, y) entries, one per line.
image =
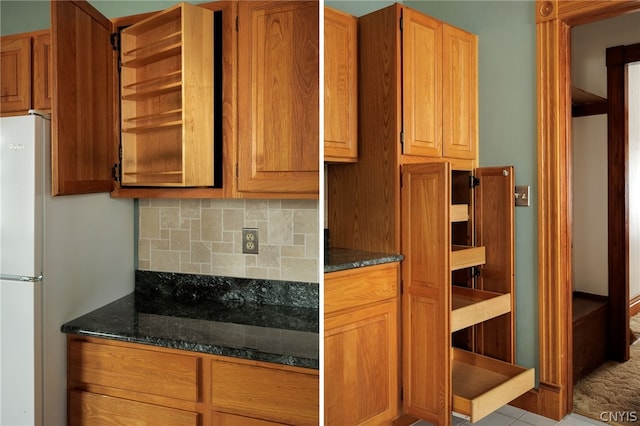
point(466, 256)
point(470, 306)
point(481, 384)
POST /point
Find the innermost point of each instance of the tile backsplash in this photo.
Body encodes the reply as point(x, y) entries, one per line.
point(204, 236)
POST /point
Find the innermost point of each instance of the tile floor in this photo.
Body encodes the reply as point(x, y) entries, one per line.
point(512, 416)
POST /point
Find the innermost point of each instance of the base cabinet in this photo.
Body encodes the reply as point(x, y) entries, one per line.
point(361, 346)
point(112, 382)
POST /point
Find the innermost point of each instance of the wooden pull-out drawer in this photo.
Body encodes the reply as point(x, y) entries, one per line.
point(465, 256)
point(86, 409)
point(272, 392)
point(471, 306)
point(138, 370)
point(360, 286)
point(459, 213)
point(481, 384)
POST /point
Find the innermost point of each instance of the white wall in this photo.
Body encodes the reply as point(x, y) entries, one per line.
point(589, 72)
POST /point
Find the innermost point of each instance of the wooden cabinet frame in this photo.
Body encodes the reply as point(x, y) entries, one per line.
point(554, 20)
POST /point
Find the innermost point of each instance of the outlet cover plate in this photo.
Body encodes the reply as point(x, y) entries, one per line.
point(250, 240)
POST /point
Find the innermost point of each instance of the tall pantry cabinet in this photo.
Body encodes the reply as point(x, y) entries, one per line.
point(416, 189)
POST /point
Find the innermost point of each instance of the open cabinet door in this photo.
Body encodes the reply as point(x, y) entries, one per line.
point(426, 299)
point(82, 125)
point(494, 221)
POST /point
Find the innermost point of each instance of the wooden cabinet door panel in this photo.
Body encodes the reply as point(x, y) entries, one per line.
point(15, 74)
point(83, 139)
point(86, 409)
point(340, 86)
point(460, 93)
point(278, 97)
point(278, 394)
point(42, 62)
point(361, 355)
point(494, 224)
point(422, 84)
point(137, 370)
point(426, 299)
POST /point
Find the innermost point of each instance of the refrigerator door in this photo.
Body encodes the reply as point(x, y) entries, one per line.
point(22, 141)
point(20, 353)
point(22, 169)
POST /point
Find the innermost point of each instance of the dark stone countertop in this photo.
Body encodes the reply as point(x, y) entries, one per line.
point(263, 320)
point(339, 259)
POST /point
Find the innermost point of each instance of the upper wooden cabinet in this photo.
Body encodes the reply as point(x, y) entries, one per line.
point(421, 84)
point(16, 74)
point(278, 97)
point(340, 86)
point(25, 72)
point(172, 124)
point(167, 100)
point(84, 141)
point(460, 93)
point(432, 69)
point(42, 66)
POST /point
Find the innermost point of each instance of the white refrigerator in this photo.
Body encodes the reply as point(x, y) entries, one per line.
point(60, 257)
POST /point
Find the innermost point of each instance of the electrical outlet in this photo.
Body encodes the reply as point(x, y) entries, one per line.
point(250, 240)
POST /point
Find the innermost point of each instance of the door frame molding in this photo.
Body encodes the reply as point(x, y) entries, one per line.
point(554, 20)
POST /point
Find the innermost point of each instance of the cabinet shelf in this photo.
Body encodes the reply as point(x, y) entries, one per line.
point(158, 116)
point(481, 384)
point(470, 306)
point(153, 127)
point(174, 38)
point(466, 256)
point(155, 91)
point(167, 52)
point(459, 213)
point(174, 76)
point(158, 178)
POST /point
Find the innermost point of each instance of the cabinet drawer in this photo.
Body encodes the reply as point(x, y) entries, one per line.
point(470, 306)
point(137, 370)
point(224, 419)
point(360, 286)
point(92, 409)
point(465, 256)
point(285, 395)
point(481, 384)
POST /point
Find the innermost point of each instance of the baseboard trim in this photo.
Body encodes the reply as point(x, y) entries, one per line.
point(634, 306)
point(545, 401)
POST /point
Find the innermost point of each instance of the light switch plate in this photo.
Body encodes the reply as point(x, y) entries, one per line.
point(522, 195)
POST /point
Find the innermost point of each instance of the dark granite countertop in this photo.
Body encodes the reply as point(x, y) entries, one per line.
point(339, 259)
point(263, 320)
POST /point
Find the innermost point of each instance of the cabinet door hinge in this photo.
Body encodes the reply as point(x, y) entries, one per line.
point(401, 23)
point(402, 140)
point(115, 172)
point(236, 23)
point(473, 181)
point(115, 41)
point(402, 393)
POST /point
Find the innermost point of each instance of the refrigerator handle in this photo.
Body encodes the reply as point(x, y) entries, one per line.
point(21, 278)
